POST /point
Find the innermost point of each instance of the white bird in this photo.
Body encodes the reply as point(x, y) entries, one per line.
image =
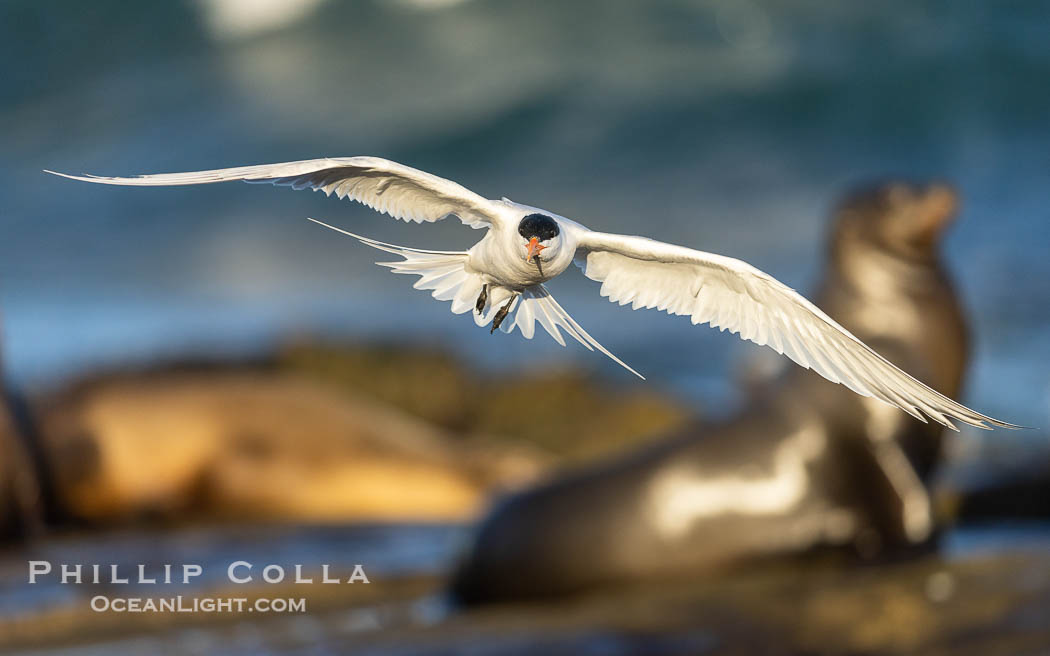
point(501, 278)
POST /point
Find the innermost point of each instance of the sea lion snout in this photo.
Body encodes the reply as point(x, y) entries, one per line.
point(935, 210)
point(905, 219)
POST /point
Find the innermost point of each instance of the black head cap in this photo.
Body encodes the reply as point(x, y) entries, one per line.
point(538, 225)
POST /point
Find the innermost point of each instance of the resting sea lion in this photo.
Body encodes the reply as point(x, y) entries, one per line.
point(21, 490)
point(805, 463)
point(228, 441)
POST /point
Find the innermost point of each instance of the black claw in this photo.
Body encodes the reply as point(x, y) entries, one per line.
point(483, 298)
point(502, 314)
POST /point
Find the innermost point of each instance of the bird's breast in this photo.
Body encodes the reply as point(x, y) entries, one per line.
point(501, 261)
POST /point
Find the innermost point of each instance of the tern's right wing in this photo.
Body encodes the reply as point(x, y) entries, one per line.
point(731, 294)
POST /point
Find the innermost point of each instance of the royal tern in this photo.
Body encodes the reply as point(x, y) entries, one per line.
point(501, 278)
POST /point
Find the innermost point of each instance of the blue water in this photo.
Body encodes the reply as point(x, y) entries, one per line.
point(729, 126)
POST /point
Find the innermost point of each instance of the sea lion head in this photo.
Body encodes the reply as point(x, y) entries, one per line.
point(904, 219)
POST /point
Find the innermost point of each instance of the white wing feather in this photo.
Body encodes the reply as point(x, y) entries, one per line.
point(402, 192)
point(732, 295)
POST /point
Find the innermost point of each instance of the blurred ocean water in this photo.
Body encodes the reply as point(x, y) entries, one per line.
point(729, 126)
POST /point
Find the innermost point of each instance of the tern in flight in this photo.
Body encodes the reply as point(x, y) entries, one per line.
point(501, 278)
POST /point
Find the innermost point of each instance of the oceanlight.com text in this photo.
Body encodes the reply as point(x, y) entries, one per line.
point(183, 604)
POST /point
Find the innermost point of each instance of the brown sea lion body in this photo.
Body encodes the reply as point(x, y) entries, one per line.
point(233, 442)
point(21, 488)
point(804, 463)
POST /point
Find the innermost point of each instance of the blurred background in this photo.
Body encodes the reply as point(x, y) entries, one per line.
point(730, 126)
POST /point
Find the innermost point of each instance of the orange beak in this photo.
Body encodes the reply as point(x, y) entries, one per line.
point(534, 249)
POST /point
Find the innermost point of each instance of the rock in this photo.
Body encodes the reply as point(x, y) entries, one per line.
point(967, 606)
point(582, 418)
point(997, 478)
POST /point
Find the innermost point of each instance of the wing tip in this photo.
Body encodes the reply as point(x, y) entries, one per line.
point(65, 175)
point(88, 177)
point(985, 422)
point(982, 422)
point(1006, 425)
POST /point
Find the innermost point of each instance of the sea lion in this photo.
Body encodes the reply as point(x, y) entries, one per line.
point(339, 432)
point(805, 463)
point(21, 490)
point(252, 444)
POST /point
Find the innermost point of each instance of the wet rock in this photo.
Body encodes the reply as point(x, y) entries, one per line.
point(581, 418)
point(425, 383)
point(997, 478)
point(995, 603)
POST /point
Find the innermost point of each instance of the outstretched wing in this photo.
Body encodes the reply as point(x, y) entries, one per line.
point(402, 192)
point(732, 295)
point(448, 276)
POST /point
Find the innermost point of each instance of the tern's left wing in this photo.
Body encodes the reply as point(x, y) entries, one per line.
point(731, 294)
point(401, 191)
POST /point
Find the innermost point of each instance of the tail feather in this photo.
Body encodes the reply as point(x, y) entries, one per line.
point(561, 317)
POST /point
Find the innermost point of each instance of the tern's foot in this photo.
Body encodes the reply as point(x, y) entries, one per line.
point(483, 298)
point(502, 314)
